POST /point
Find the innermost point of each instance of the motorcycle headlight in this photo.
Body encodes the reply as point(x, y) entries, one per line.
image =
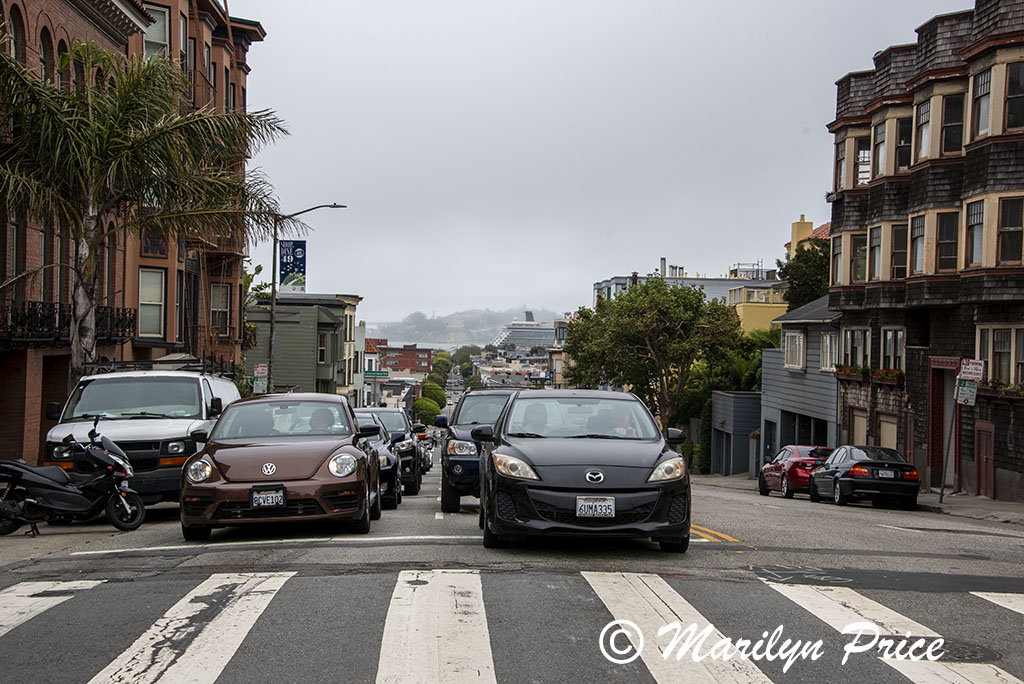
point(199, 471)
point(342, 465)
point(510, 466)
point(672, 469)
point(175, 447)
point(458, 447)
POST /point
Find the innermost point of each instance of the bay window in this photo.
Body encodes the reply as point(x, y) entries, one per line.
point(917, 244)
point(948, 238)
point(975, 233)
point(857, 347)
point(1015, 95)
point(1002, 348)
point(880, 149)
point(952, 123)
point(863, 160)
point(899, 251)
point(923, 127)
point(1011, 228)
point(893, 348)
point(980, 108)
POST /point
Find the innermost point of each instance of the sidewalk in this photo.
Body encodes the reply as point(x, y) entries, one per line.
point(960, 505)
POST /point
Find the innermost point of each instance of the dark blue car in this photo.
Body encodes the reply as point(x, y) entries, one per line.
point(460, 464)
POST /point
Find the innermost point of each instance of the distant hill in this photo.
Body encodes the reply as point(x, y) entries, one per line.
point(476, 326)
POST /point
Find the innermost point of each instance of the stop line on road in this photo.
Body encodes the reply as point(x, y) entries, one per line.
point(436, 627)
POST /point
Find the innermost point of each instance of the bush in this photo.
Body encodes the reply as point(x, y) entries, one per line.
point(702, 461)
point(425, 410)
point(435, 393)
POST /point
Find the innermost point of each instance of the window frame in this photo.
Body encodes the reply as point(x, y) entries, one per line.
point(858, 257)
point(862, 166)
point(874, 268)
point(974, 238)
point(829, 351)
point(894, 348)
point(840, 177)
point(162, 304)
point(1009, 96)
point(922, 129)
point(985, 350)
point(220, 317)
point(915, 249)
point(954, 241)
point(849, 335)
point(904, 144)
point(147, 41)
point(878, 150)
point(837, 259)
point(321, 348)
point(1004, 231)
point(895, 250)
point(981, 100)
point(949, 126)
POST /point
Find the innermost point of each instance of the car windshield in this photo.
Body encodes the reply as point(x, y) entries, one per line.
point(877, 454)
point(393, 421)
point(597, 418)
point(282, 418)
point(480, 409)
point(135, 397)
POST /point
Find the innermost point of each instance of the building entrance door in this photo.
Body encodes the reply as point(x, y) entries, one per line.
point(984, 461)
point(860, 427)
point(886, 430)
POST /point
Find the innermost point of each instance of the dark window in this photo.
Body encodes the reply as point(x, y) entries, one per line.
point(858, 257)
point(979, 110)
point(904, 131)
point(16, 35)
point(899, 251)
point(1015, 95)
point(880, 149)
point(1011, 227)
point(975, 232)
point(837, 259)
point(946, 252)
point(840, 165)
point(917, 244)
point(863, 160)
point(923, 129)
point(952, 123)
point(46, 55)
point(875, 253)
point(64, 70)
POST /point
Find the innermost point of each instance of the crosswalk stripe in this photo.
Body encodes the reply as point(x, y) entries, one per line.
point(840, 607)
point(199, 634)
point(1014, 602)
point(650, 603)
point(22, 602)
point(436, 630)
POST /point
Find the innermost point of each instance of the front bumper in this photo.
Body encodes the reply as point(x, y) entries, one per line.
point(164, 483)
point(410, 465)
point(229, 503)
point(467, 480)
point(878, 489)
point(661, 511)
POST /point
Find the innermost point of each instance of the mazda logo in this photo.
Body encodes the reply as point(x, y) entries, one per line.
point(595, 476)
point(270, 469)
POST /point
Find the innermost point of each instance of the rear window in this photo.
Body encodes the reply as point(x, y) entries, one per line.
point(877, 454)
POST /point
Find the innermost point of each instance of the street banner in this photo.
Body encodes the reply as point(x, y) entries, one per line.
point(293, 266)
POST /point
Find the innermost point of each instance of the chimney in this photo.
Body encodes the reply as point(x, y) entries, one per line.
point(662, 267)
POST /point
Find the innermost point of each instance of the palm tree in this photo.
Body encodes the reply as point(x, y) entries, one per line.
point(123, 149)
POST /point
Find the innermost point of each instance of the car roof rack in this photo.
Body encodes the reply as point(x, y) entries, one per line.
point(177, 362)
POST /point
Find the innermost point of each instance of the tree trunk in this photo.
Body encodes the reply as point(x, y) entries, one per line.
point(83, 302)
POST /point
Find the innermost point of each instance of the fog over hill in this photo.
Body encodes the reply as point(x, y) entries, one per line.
point(476, 326)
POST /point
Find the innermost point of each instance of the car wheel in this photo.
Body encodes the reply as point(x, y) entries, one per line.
point(449, 497)
point(762, 486)
point(362, 526)
point(838, 496)
point(812, 490)
point(492, 540)
point(398, 488)
point(196, 533)
point(786, 491)
point(375, 508)
point(675, 545)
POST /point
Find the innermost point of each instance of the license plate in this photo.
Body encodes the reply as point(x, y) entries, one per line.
point(268, 498)
point(595, 506)
point(886, 474)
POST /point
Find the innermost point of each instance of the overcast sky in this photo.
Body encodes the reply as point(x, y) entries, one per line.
point(503, 153)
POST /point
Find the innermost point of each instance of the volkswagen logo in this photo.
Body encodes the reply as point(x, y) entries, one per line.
point(595, 476)
point(270, 469)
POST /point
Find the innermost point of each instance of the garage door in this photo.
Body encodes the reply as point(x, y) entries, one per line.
point(887, 430)
point(860, 427)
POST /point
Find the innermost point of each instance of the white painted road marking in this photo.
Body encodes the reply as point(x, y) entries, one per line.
point(199, 634)
point(22, 602)
point(439, 516)
point(359, 541)
point(650, 603)
point(1014, 602)
point(842, 606)
point(436, 630)
point(902, 529)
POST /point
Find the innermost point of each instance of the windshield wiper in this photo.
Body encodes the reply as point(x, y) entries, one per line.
point(597, 436)
point(90, 416)
point(145, 414)
point(524, 434)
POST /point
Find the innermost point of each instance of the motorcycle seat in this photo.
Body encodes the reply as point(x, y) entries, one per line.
point(55, 473)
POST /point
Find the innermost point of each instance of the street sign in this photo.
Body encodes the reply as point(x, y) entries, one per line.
point(970, 369)
point(375, 374)
point(966, 392)
point(259, 385)
point(259, 370)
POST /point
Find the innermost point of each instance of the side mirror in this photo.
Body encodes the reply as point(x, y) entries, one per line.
point(216, 407)
point(419, 427)
point(484, 433)
point(397, 437)
point(53, 411)
point(68, 439)
point(200, 436)
point(368, 430)
point(675, 436)
point(441, 421)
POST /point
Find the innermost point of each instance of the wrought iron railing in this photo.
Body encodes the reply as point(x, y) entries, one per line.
point(49, 323)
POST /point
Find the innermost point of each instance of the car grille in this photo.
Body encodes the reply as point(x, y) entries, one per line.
point(196, 508)
point(506, 506)
point(568, 517)
point(144, 456)
point(340, 500)
point(236, 510)
point(677, 511)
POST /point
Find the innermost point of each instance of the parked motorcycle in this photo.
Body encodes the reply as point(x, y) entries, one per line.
point(33, 494)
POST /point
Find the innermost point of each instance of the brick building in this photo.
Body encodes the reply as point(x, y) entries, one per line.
point(408, 358)
point(927, 206)
point(190, 291)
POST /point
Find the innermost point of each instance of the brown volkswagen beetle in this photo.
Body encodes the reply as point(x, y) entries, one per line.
point(281, 457)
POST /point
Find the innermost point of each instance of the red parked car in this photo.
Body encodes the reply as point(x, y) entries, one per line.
point(788, 472)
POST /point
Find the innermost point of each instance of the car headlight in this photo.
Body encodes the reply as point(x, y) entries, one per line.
point(458, 447)
point(382, 458)
point(510, 466)
point(342, 465)
point(61, 451)
point(672, 469)
point(199, 471)
point(404, 445)
point(175, 447)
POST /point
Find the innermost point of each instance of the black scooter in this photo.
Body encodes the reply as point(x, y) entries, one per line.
point(32, 494)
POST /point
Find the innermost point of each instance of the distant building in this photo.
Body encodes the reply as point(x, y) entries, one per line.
point(803, 231)
point(408, 358)
point(754, 275)
point(525, 335)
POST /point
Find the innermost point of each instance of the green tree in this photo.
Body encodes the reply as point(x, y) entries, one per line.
point(436, 378)
point(425, 410)
point(537, 351)
point(441, 365)
point(649, 338)
point(474, 381)
point(462, 354)
point(466, 369)
point(433, 391)
point(806, 273)
point(490, 348)
point(123, 149)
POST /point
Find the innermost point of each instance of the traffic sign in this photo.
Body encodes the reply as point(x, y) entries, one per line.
point(259, 385)
point(375, 373)
point(971, 369)
point(966, 392)
point(259, 370)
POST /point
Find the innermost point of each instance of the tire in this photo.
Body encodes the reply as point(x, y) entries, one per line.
point(450, 499)
point(786, 491)
point(492, 540)
point(838, 496)
point(117, 516)
point(413, 488)
point(398, 488)
point(762, 486)
point(195, 533)
point(675, 545)
point(391, 502)
point(9, 524)
point(375, 508)
point(362, 526)
point(812, 490)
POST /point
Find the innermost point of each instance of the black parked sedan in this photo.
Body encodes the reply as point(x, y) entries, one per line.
point(575, 462)
point(868, 472)
point(390, 468)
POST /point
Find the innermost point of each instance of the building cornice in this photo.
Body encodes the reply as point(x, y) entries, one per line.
point(848, 121)
point(991, 42)
point(936, 75)
point(992, 140)
point(888, 101)
point(117, 19)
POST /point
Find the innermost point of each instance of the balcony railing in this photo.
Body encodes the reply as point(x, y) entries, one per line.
point(49, 324)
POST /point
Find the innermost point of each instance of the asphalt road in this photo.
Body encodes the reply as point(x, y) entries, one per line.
point(420, 600)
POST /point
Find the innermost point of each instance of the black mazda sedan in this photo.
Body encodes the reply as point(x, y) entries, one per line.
point(581, 462)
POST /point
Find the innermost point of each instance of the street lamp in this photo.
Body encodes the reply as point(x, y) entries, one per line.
point(273, 286)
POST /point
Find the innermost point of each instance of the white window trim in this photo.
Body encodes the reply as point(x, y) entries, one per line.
point(1015, 377)
point(902, 354)
point(162, 303)
point(321, 349)
point(829, 354)
point(216, 289)
point(799, 339)
point(866, 358)
point(166, 42)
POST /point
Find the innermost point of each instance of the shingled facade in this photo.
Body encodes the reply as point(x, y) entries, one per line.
point(927, 226)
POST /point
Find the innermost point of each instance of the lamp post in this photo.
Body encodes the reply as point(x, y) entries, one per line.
point(273, 287)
